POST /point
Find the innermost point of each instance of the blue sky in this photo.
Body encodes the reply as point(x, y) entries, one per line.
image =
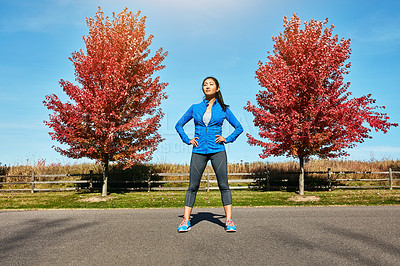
point(222, 38)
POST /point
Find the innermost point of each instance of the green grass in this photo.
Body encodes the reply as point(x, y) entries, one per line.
point(242, 198)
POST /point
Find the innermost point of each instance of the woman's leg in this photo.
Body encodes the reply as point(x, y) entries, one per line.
point(198, 163)
point(186, 213)
point(219, 164)
point(228, 211)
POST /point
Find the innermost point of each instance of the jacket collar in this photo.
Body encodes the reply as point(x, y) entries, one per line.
point(205, 101)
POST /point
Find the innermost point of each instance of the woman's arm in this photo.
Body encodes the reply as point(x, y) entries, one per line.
point(235, 123)
point(179, 125)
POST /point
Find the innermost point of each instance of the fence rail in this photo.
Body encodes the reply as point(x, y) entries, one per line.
point(251, 181)
point(35, 181)
point(389, 178)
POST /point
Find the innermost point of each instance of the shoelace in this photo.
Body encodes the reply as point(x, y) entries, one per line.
point(184, 222)
point(230, 223)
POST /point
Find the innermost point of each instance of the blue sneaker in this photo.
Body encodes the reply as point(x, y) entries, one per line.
point(230, 226)
point(184, 226)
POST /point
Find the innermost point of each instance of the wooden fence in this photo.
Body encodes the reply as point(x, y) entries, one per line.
point(34, 181)
point(388, 179)
point(334, 178)
point(250, 182)
point(92, 179)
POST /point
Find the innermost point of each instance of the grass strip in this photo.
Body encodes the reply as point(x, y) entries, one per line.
point(175, 199)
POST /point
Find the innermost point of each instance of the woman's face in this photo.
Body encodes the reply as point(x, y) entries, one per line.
point(210, 88)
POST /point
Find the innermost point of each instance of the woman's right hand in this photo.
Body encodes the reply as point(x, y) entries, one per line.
point(194, 142)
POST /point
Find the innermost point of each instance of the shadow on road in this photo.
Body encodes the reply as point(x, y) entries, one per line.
point(14, 237)
point(206, 216)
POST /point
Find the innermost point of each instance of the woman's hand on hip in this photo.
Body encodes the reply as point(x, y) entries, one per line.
point(194, 142)
point(220, 139)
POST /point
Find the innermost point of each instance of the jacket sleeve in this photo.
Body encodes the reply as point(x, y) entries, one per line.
point(179, 125)
point(235, 123)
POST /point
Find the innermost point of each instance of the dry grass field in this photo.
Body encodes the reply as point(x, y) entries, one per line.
point(41, 168)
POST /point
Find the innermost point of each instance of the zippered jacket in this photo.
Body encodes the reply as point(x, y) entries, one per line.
point(206, 134)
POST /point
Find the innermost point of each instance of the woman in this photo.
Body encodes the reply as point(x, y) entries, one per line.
point(208, 144)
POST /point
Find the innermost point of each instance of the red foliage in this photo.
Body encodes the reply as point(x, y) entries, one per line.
point(305, 108)
point(114, 114)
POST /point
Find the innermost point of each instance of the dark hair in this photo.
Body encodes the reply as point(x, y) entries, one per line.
point(218, 94)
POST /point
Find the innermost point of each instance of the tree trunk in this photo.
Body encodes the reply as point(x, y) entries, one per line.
point(105, 177)
point(301, 177)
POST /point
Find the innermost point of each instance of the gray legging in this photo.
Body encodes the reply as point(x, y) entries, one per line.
point(197, 165)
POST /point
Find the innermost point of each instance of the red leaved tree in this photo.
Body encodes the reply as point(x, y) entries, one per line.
point(305, 109)
point(113, 115)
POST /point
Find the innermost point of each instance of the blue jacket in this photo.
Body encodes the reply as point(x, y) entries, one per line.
point(206, 134)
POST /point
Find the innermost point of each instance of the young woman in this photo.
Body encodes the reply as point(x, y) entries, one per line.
point(208, 144)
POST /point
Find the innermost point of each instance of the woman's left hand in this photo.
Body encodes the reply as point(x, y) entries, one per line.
point(220, 139)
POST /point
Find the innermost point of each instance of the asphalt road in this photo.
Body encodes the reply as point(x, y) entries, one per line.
point(266, 236)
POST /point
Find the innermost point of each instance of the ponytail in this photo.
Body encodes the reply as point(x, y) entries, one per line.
point(220, 100)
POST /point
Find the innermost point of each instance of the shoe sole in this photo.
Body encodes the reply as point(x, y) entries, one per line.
point(183, 231)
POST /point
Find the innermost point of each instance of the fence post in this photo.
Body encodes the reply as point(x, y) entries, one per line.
point(208, 180)
point(329, 179)
point(33, 182)
point(148, 185)
point(268, 179)
point(91, 180)
point(390, 179)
